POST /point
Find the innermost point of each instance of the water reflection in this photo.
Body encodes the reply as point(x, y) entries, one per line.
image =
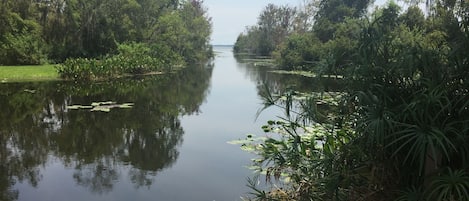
point(266, 77)
point(35, 126)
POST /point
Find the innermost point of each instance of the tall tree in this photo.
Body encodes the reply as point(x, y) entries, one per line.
point(332, 12)
point(274, 24)
point(20, 35)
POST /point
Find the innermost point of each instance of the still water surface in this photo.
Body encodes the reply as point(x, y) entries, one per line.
point(171, 146)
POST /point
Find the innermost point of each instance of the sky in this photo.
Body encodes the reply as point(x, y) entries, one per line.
point(231, 17)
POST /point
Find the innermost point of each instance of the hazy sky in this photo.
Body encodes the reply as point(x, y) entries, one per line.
point(230, 17)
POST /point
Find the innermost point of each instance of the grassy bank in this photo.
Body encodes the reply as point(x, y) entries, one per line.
point(27, 73)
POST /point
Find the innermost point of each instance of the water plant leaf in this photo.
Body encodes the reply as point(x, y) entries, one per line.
point(76, 107)
point(101, 106)
point(30, 91)
point(126, 105)
point(301, 73)
point(102, 103)
point(239, 142)
point(101, 109)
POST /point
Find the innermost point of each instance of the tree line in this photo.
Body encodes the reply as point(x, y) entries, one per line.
point(51, 31)
point(399, 128)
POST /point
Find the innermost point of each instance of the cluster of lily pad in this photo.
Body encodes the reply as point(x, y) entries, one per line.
point(101, 106)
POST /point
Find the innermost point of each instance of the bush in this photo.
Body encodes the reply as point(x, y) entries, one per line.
point(133, 58)
point(299, 52)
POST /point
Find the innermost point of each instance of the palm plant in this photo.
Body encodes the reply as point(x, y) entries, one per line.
point(451, 185)
point(403, 123)
point(411, 104)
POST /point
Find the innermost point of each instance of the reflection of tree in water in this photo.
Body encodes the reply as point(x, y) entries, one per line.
point(22, 148)
point(99, 177)
point(6, 180)
point(153, 151)
point(142, 140)
point(277, 83)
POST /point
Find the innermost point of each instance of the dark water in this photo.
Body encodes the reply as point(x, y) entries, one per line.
point(172, 145)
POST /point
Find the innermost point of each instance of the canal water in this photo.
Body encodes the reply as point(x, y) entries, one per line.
point(171, 145)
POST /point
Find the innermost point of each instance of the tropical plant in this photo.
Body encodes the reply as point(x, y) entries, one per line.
point(306, 154)
point(450, 185)
point(401, 130)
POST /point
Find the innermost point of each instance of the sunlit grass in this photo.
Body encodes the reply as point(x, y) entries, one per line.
point(28, 73)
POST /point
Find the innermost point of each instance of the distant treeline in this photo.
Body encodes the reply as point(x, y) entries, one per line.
point(51, 31)
point(327, 35)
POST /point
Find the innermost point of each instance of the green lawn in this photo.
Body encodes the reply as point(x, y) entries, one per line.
point(27, 73)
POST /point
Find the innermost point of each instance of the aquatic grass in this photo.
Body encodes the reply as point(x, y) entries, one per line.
point(309, 74)
point(257, 61)
point(28, 73)
point(302, 73)
point(116, 66)
point(132, 59)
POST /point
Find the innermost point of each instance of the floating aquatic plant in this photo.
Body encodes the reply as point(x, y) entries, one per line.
point(101, 106)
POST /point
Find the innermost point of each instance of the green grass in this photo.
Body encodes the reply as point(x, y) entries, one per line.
point(28, 73)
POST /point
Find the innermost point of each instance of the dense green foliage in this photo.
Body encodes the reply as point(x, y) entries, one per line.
point(34, 32)
point(399, 129)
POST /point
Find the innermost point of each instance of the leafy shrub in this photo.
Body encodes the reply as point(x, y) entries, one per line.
point(299, 52)
point(133, 58)
point(307, 155)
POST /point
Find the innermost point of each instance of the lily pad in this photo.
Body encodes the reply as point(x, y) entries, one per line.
point(30, 91)
point(101, 106)
point(101, 109)
point(126, 105)
point(94, 104)
point(76, 107)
